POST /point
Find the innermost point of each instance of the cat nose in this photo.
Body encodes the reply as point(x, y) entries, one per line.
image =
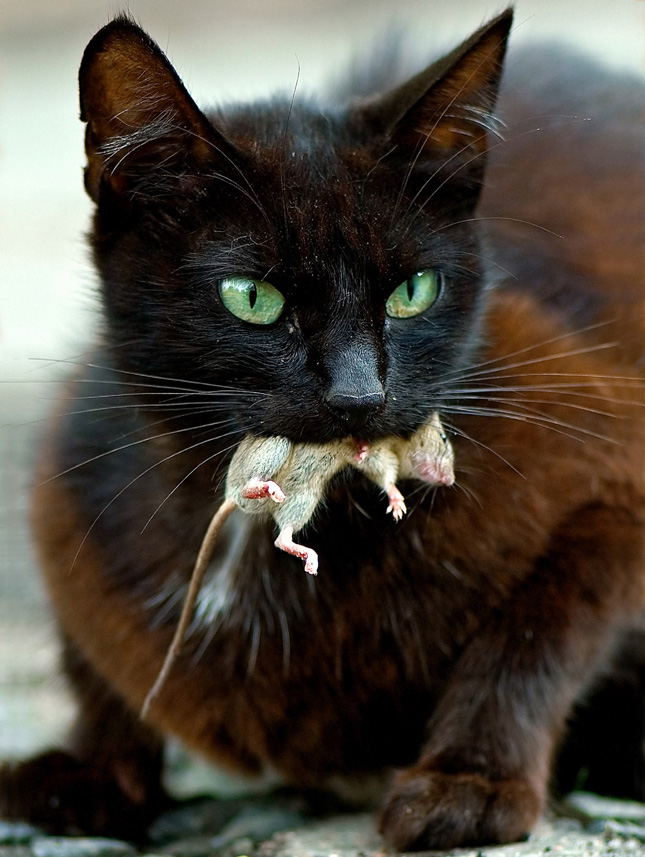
point(355, 391)
point(355, 410)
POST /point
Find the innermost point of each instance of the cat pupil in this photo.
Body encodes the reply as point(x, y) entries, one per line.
point(410, 289)
point(253, 295)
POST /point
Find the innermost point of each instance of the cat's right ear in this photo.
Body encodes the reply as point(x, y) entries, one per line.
point(142, 125)
point(444, 115)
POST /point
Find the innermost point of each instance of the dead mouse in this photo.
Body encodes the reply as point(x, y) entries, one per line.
point(272, 476)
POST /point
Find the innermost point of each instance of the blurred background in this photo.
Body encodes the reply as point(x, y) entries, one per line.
point(223, 50)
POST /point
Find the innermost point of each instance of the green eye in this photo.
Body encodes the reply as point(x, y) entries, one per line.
point(252, 300)
point(414, 295)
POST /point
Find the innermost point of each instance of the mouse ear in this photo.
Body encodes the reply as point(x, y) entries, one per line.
point(142, 125)
point(443, 115)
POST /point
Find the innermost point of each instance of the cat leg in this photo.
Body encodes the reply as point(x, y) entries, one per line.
point(482, 777)
point(257, 489)
point(606, 736)
point(286, 543)
point(107, 784)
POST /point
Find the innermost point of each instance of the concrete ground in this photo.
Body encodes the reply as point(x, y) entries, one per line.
point(223, 49)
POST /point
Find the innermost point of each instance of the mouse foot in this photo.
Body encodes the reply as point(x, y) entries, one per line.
point(286, 543)
point(257, 489)
point(397, 503)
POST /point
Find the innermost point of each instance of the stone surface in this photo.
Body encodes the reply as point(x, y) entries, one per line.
point(595, 806)
point(80, 846)
point(16, 833)
point(15, 851)
point(354, 836)
point(249, 832)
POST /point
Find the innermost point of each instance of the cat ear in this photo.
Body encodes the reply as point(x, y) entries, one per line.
point(141, 121)
point(444, 113)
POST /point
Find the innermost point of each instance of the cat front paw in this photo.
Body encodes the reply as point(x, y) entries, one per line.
point(63, 796)
point(428, 809)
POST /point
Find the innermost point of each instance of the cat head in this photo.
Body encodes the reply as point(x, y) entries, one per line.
point(320, 264)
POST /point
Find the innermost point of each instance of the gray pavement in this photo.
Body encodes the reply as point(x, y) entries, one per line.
point(273, 832)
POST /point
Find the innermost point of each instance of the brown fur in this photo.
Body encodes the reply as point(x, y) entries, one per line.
point(590, 538)
point(454, 644)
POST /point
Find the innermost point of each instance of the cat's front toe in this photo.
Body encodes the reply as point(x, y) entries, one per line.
point(63, 796)
point(428, 809)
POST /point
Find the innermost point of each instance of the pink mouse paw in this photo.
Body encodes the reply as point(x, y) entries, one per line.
point(362, 451)
point(397, 503)
point(257, 489)
point(286, 543)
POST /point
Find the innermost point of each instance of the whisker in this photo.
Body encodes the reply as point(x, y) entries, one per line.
point(285, 140)
point(406, 178)
point(166, 420)
point(144, 473)
point(469, 493)
point(531, 418)
point(466, 163)
point(461, 433)
point(251, 196)
point(376, 164)
point(136, 443)
point(477, 372)
point(558, 402)
point(185, 383)
point(220, 452)
point(444, 113)
point(444, 164)
point(486, 259)
point(484, 218)
point(594, 380)
point(525, 407)
point(146, 407)
point(163, 126)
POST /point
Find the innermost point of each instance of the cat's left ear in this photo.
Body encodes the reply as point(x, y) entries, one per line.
point(445, 113)
point(142, 125)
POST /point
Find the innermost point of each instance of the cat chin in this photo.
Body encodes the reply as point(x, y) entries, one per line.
point(322, 430)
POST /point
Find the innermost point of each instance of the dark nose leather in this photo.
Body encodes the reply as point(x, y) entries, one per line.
point(355, 410)
point(355, 391)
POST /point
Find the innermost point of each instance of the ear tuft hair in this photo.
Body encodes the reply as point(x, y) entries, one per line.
point(447, 110)
point(139, 115)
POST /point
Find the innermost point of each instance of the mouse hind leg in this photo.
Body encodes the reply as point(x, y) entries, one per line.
point(286, 543)
point(109, 780)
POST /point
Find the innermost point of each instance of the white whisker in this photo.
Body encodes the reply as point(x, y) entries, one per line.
point(461, 433)
point(137, 443)
point(141, 475)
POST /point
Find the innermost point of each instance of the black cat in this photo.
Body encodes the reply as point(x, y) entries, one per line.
point(278, 269)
